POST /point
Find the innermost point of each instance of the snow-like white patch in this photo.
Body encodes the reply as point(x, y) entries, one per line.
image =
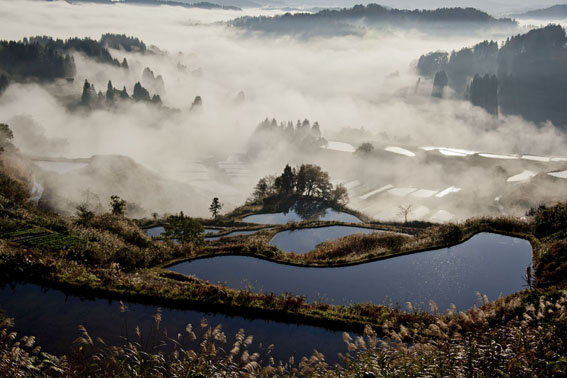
point(562, 174)
point(339, 146)
point(497, 156)
point(442, 216)
point(380, 190)
point(400, 151)
point(447, 152)
point(524, 176)
point(401, 192)
point(558, 159)
point(424, 193)
point(536, 158)
point(449, 190)
point(462, 151)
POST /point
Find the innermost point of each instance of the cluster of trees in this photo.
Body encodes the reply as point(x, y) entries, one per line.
point(364, 149)
point(45, 58)
point(344, 21)
point(483, 92)
point(92, 99)
point(306, 180)
point(6, 135)
point(302, 136)
point(461, 65)
point(123, 42)
point(3, 83)
point(439, 83)
point(525, 76)
point(197, 103)
point(23, 60)
point(155, 83)
point(92, 48)
point(184, 229)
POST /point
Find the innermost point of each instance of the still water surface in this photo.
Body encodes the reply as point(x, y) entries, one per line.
point(306, 239)
point(292, 216)
point(53, 317)
point(491, 264)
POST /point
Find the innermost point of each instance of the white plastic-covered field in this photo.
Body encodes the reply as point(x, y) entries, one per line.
point(521, 177)
point(400, 151)
point(339, 146)
point(561, 174)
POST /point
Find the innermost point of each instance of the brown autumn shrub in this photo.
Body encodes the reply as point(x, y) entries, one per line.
point(123, 227)
point(552, 265)
point(446, 233)
point(358, 244)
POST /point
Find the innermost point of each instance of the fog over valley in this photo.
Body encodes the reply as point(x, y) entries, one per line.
point(283, 188)
point(359, 88)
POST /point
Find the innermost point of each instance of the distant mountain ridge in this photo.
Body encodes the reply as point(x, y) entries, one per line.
point(201, 5)
point(354, 20)
point(555, 12)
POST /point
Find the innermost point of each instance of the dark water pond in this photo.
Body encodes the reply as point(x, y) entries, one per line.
point(306, 239)
point(491, 264)
point(292, 216)
point(154, 231)
point(54, 317)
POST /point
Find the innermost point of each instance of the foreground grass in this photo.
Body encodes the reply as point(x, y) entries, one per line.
point(521, 336)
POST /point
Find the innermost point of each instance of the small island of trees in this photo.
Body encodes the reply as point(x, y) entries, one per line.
point(306, 180)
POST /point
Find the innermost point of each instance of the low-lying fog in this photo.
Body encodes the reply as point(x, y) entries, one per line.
point(191, 156)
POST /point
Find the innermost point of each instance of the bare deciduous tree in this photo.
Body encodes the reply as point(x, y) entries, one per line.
point(405, 211)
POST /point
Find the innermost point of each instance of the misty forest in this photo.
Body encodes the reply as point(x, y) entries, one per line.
point(287, 188)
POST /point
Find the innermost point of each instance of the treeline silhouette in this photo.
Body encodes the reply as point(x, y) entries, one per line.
point(44, 58)
point(556, 12)
point(21, 60)
point(201, 4)
point(349, 21)
point(92, 99)
point(90, 47)
point(302, 136)
point(122, 42)
point(525, 76)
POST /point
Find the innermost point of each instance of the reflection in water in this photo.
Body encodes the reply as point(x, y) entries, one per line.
point(235, 233)
point(157, 231)
point(53, 317)
point(306, 239)
point(300, 211)
point(491, 264)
